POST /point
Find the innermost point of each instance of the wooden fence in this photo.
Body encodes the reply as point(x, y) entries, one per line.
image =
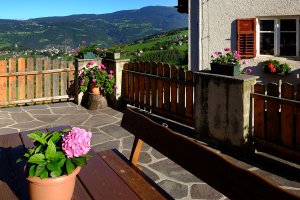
point(277, 120)
point(27, 81)
point(161, 89)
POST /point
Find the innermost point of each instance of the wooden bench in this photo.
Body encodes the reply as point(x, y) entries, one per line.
point(212, 168)
point(109, 175)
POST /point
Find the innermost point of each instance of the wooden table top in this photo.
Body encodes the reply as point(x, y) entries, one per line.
point(106, 176)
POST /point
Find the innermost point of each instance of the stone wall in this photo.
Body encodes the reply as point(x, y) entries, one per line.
point(222, 108)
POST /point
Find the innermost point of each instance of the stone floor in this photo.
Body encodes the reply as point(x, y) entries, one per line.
point(107, 134)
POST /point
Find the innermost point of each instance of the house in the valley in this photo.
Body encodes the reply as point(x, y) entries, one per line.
point(258, 29)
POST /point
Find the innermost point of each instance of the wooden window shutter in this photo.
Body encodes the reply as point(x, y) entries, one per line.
point(246, 37)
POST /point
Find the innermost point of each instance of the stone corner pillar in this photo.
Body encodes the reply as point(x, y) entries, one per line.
point(223, 108)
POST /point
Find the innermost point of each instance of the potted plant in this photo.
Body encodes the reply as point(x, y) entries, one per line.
point(227, 63)
point(85, 51)
point(97, 79)
point(54, 161)
point(275, 67)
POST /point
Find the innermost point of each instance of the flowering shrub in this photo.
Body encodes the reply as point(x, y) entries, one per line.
point(83, 48)
point(274, 66)
point(57, 153)
point(229, 57)
point(98, 75)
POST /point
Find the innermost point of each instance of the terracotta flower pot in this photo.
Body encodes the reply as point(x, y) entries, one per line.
point(94, 90)
point(60, 188)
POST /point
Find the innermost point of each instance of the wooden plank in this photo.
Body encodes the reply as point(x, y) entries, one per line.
point(142, 85)
point(72, 71)
point(12, 80)
point(39, 78)
point(148, 85)
point(21, 79)
point(132, 177)
point(64, 79)
point(259, 112)
point(35, 72)
point(167, 102)
point(33, 100)
point(174, 75)
point(102, 182)
point(135, 151)
point(189, 108)
point(136, 85)
point(153, 85)
point(131, 84)
point(287, 116)
point(30, 79)
point(12, 181)
point(125, 85)
point(273, 134)
point(55, 78)
point(160, 96)
point(298, 119)
point(80, 192)
point(3, 81)
point(47, 79)
point(242, 183)
point(181, 92)
point(71, 79)
point(280, 151)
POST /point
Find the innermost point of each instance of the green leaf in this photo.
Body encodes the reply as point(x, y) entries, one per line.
point(19, 160)
point(62, 162)
point(59, 156)
point(40, 169)
point(70, 166)
point(44, 174)
point(31, 151)
point(36, 137)
point(67, 130)
point(53, 166)
point(39, 133)
point(51, 150)
point(56, 173)
point(87, 156)
point(55, 137)
point(38, 149)
point(32, 170)
point(79, 161)
point(37, 159)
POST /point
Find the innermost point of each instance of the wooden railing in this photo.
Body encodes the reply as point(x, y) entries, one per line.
point(277, 120)
point(161, 89)
point(28, 81)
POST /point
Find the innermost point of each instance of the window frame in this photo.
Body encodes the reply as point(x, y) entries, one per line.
point(277, 32)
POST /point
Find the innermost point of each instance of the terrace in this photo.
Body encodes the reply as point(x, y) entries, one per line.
point(107, 134)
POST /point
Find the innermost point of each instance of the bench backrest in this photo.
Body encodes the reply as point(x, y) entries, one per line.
point(212, 168)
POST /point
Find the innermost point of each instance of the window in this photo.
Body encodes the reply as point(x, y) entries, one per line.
point(278, 36)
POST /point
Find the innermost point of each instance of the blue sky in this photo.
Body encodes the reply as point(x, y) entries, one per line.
point(25, 9)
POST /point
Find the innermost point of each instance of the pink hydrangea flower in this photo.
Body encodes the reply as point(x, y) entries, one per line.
point(227, 49)
point(76, 143)
point(94, 80)
point(248, 71)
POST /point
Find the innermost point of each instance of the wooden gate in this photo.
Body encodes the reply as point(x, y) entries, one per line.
point(27, 81)
point(277, 120)
point(161, 89)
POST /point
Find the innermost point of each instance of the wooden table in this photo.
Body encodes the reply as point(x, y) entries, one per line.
point(107, 175)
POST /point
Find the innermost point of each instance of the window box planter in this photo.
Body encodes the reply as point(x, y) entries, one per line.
point(88, 55)
point(225, 69)
point(114, 56)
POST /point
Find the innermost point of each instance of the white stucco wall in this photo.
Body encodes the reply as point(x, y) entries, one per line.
point(219, 21)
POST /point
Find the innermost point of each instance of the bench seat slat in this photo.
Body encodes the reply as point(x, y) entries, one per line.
point(212, 168)
point(102, 183)
point(132, 176)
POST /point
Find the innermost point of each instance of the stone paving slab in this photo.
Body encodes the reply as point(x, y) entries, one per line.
point(107, 134)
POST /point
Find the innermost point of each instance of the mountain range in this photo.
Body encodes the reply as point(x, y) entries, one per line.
point(104, 30)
